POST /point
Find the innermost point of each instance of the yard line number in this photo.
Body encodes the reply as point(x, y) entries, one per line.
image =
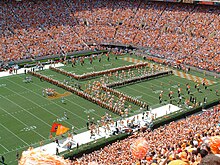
point(2, 85)
point(157, 91)
point(138, 97)
point(28, 128)
point(61, 119)
point(89, 111)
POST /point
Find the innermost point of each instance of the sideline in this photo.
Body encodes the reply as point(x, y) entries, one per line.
point(140, 119)
point(22, 70)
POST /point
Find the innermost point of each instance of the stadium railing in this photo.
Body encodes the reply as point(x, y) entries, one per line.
point(44, 60)
point(100, 143)
point(182, 114)
point(92, 146)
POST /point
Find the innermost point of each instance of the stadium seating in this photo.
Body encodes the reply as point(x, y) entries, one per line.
point(171, 31)
point(184, 140)
point(30, 29)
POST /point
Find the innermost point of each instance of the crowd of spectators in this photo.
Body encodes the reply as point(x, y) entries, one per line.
point(185, 140)
point(171, 31)
point(36, 28)
point(30, 29)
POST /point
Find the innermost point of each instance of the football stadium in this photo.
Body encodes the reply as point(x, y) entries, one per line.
point(106, 82)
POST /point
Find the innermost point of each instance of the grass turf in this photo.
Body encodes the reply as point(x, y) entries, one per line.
point(26, 116)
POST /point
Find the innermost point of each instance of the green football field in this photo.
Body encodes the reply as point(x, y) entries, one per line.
point(26, 115)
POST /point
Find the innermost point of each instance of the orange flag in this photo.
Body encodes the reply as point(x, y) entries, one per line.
point(61, 130)
point(54, 127)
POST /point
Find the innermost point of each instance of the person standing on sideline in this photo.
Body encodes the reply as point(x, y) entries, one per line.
point(180, 99)
point(57, 141)
point(87, 125)
point(17, 155)
point(3, 159)
point(41, 143)
point(57, 151)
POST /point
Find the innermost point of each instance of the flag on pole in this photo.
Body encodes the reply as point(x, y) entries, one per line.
point(54, 127)
point(61, 130)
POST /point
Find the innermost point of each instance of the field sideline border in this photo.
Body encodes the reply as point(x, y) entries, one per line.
point(70, 101)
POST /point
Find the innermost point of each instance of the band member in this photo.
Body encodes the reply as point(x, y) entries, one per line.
point(90, 59)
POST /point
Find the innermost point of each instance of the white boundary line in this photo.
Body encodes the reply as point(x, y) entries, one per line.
point(25, 109)
point(69, 101)
point(48, 100)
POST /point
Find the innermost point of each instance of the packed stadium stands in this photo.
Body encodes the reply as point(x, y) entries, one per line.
point(171, 31)
point(185, 140)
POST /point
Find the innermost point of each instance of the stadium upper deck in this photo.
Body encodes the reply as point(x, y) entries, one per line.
point(204, 2)
point(173, 31)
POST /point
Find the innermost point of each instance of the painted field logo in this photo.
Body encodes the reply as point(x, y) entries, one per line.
point(29, 128)
point(89, 111)
point(2, 85)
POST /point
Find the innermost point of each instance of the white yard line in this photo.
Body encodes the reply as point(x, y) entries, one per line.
point(24, 92)
point(141, 93)
point(81, 138)
point(82, 107)
point(25, 109)
point(14, 134)
point(72, 103)
point(48, 100)
point(42, 108)
point(22, 123)
point(84, 137)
